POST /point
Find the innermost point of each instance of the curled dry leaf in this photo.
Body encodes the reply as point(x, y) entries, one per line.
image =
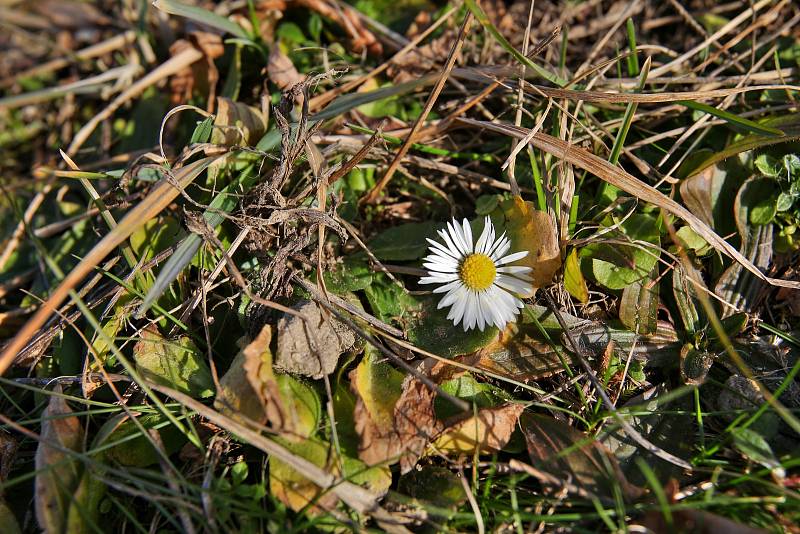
point(237, 124)
point(535, 231)
point(310, 344)
point(415, 421)
point(486, 432)
point(394, 417)
point(378, 387)
point(58, 473)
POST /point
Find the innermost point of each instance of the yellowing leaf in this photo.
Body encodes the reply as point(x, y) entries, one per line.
point(253, 390)
point(174, 363)
point(378, 387)
point(486, 432)
point(58, 472)
point(532, 230)
point(574, 282)
point(296, 491)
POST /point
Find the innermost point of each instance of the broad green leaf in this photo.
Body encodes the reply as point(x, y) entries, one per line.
point(156, 235)
point(348, 276)
point(754, 447)
point(693, 241)
point(8, 521)
point(465, 387)
point(695, 365)
point(379, 386)
point(638, 307)
point(434, 484)
point(121, 440)
point(390, 301)
point(175, 363)
point(300, 403)
point(685, 300)
point(431, 330)
point(297, 492)
point(631, 262)
point(404, 242)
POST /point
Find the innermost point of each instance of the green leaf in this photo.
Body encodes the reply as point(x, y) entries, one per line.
point(485, 204)
point(431, 330)
point(348, 276)
point(754, 447)
point(629, 263)
point(405, 242)
point(297, 492)
point(465, 387)
point(768, 165)
point(203, 16)
point(389, 301)
point(693, 241)
point(121, 440)
point(733, 120)
point(638, 308)
point(176, 364)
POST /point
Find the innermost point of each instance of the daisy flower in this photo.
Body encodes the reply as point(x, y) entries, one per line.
point(474, 276)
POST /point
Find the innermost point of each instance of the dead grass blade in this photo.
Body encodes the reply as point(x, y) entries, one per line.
point(628, 183)
point(162, 194)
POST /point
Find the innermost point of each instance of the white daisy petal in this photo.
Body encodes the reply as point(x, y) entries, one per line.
point(439, 278)
point(502, 247)
point(483, 240)
point(471, 303)
point(438, 248)
point(448, 287)
point(440, 268)
point(467, 229)
point(451, 244)
point(512, 284)
point(511, 257)
point(516, 270)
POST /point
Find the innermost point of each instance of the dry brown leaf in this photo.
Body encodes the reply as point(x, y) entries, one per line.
point(415, 421)
point(311, 345)
point(58, 473)
point(696, 522)
point(486, 432)
point(238, 398)
point(517, 355)
point(252, 390)
point(282, 71)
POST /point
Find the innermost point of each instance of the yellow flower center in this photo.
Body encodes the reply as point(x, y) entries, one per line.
point(477, 271)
